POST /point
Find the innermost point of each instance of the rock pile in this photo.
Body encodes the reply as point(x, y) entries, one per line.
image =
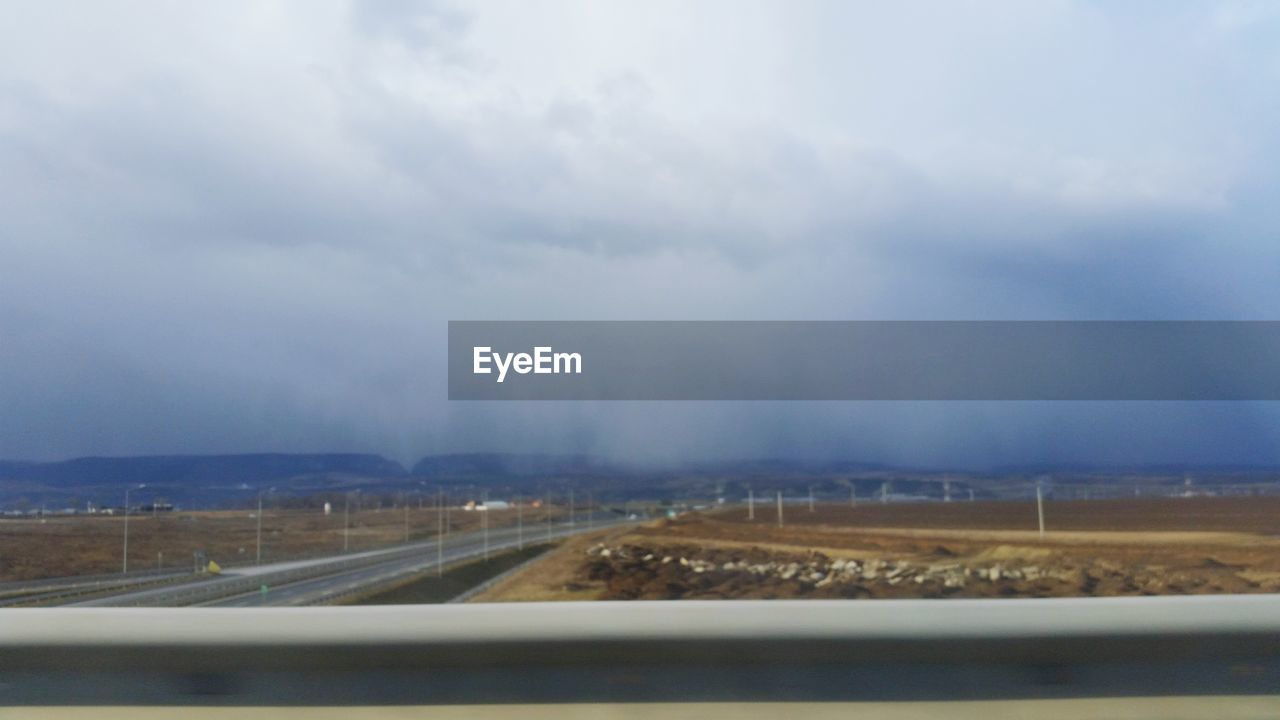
point(637, 572)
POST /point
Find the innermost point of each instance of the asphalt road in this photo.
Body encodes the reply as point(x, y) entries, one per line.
point(315, 580)
point(317, 590)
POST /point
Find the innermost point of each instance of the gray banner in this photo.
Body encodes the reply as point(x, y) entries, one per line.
point(859, 360)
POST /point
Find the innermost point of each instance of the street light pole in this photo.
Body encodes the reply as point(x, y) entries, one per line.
point(125, 568)
point(439, 532)
point(125, 564)
point(258, 560)
point(1040, 508)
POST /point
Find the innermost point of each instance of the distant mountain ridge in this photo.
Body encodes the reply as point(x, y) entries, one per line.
point(204, 481)
point(198, 468)
point(186, 478)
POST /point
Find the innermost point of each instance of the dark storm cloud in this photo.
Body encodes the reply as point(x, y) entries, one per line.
point(243, 227)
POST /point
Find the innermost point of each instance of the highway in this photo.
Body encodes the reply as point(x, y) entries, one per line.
point(320, 580)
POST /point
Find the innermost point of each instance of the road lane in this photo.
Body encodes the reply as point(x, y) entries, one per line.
point(331, 572)
point(317, 590)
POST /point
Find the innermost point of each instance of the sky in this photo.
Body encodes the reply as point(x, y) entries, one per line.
point(243, 226)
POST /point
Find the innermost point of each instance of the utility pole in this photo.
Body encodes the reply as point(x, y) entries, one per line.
point(751, 504)
point(125, 564)
point(1040, 508)
point(779, 508)
point(125, 569)
point(439, 532)
point(258, 553)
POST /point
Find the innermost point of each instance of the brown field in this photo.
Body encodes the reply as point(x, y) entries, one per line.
point(1099, 548)
point(88, 545)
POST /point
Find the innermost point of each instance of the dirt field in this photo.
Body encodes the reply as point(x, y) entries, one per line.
point(1100, 548)
point(88, 545)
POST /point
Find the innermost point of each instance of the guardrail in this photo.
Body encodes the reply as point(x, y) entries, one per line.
point(649, 651)
point(28, 587)
point(93, 587)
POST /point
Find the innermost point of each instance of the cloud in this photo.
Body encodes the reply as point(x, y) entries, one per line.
point(243, 227)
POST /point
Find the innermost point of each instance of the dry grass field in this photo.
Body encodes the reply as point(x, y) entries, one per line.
point(1099, 548)
point(88, 545)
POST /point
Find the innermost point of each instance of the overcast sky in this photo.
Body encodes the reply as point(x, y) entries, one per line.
point(238, 227)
